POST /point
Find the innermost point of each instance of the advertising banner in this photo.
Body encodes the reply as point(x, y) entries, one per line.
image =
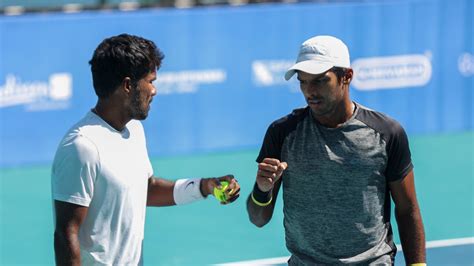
point(221, 83)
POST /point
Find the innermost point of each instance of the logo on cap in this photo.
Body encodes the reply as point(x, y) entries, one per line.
point(313, 49)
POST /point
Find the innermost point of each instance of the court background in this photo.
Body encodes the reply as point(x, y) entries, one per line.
point(220, 86)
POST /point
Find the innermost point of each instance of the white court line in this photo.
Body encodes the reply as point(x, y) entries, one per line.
point(270, 261)
point(447, 242)
point(282, 260)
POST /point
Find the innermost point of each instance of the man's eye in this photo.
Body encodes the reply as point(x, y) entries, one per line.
point(319, 81)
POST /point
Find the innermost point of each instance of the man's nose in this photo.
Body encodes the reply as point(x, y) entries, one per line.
point(314, 86)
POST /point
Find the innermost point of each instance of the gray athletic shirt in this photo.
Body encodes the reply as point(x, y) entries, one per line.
point(335, 189)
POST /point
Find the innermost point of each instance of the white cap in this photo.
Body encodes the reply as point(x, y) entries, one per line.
point(319, 54)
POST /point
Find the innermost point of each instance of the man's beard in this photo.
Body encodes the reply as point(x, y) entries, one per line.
point(136, 112)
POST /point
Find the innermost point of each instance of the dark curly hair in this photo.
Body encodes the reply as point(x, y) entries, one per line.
point(122, 56)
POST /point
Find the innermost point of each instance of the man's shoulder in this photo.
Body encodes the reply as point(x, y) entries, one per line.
point(75, 149)
point(77, 143)
point(80, 135)
point(292, 118)
point(378, 121)
point(88, 121)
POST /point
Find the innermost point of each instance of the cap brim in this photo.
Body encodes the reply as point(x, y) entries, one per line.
point(308, 66)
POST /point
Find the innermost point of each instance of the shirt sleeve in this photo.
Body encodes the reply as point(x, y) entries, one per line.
point(75, 169)
point(399, 157)
point(149, 167)
point(271, 147)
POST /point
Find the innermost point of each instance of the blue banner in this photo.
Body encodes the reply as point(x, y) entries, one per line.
point(222, 83)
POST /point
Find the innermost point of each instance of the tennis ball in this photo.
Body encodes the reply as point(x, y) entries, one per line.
point(220, 193)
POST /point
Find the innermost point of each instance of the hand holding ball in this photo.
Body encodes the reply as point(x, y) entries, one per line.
point(219, 193)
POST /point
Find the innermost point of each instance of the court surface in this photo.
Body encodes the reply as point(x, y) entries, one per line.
point(206, 233)
point(441, 252)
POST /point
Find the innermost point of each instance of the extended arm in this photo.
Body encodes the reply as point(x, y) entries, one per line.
point(410, 225)
point(69, 218)
point(161, 192)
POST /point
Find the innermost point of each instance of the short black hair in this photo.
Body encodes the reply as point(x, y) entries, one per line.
point(122, 56)
point(339, 71)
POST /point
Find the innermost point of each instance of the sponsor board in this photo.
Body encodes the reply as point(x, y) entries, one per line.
point(390, 72)
point(466, 64)
point(37, 95)
point(270, 72)
point(183, 82)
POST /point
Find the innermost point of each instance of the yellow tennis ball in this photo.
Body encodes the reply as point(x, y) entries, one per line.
point(220, 193)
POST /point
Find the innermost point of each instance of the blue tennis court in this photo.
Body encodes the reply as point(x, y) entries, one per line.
point(207, 233)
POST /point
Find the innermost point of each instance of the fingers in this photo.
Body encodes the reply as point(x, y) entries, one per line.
point(216, 181)
point(281, 167)
point(268, 167)
point(269, 171)
point(233, 187)
point(232, 195)
point(271, 161)
point(232, 191)
point(266, 170)
point(271, 168)
point(229, 178)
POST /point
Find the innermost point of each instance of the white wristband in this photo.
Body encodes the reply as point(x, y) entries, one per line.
point(187, 190)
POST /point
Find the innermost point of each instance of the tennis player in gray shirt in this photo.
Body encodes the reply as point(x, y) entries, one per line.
point(340, 165)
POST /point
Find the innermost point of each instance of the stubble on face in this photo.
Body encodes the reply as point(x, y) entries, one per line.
point(137, 110)
point(323, 93)
point(142, 96)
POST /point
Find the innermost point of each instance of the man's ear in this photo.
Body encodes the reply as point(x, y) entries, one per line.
point(127, 85)
point(348, 76)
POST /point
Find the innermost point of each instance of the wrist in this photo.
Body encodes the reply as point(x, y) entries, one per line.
point(187, 191)
point(262, 197)
point(263, 189)
point(204, 187)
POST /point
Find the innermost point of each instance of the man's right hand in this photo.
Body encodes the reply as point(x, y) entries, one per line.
point(269, 171)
